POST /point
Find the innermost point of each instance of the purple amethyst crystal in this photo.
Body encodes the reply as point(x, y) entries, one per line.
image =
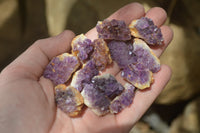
point(68, 99)
point(122, 53)
point(95, 99)
point(84, 75)
point(113, 30)
point(146, 59)
point(108, 85)
point(124, 100)
point(139, 78)
point(101, 54)
point(144, 28)
point(82, 47)
point(60, 69)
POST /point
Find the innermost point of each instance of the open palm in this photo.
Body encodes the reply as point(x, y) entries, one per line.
point(27, 99)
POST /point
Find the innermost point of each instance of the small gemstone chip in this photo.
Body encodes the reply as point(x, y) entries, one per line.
point(81, 47)
point(60, 68)
point(101, 54)
point(68, 99)
point(145, 28)
point(95, 99)
point(122, 53)
point(113, 30)
point(108, 85)
point(124, 100)
point(84, 75)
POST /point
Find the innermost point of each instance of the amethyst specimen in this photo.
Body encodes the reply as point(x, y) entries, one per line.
point(101, 54)
point(144, 28)
point(122, 53)
point(124, 100)
point(95, 99)
point(81, 47)
point(140, 73)
point(68, 99)
point(84, 75)
point(108, 85)
point(139, 78)
point(60, 69)
point(113, 30)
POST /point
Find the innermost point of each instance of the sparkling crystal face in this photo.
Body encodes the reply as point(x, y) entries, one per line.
point(144, 28)
point(124, 100)
point(108, 85)
point(84, 75)
point(68, 99)
point(101, 54)
point(113, 30)
point(122, 53)
point(95, 99)
point(60, 68)
point(82, 47)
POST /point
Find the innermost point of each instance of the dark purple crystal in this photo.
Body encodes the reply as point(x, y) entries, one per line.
point(108, 85)
point(101, 55)
point(124, 100)
point(95, 99)
point(144, 28)
point(84, 75)
point(68, 99)
point(82, 47)
point(113, 30)
point(60, 69)
point(122, 53)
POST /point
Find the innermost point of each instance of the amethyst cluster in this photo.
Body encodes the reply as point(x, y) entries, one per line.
point(103, 93)
point(60, 69)
point(144, 28)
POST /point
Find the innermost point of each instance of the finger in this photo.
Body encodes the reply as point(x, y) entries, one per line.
point(144, 98)
point(36, 57)
point(168, 36)
point(158, 15)
point(126, 13)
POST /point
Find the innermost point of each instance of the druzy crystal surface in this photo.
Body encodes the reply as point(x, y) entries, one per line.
point(68, 99)
point(101, 55)
point(122, 53)
point(124, 100)
point(108, 85)
point(95, 99)
point(144, 28)
point(84, 75)
point(139, 78)
point(140, 73)
point(81, 47)
point(60, 68)
point(113, 30)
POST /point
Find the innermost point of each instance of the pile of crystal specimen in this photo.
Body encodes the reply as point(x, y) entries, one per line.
point(102, 93)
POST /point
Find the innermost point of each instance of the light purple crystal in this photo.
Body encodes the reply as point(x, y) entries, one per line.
point(146, 59)
point(124, 100)
point(68, 99)
point(122, 53)
point(95, 99)
point(101, 55)
point(145, 28)
point(82, 47)
point(84, 75)
point(139, 78)
point(60, 69)
point(113, 30)
point(108, 85)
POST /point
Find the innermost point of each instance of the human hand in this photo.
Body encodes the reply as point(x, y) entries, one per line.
point(27, 98)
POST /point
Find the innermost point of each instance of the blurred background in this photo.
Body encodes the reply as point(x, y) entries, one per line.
point(177, 109)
